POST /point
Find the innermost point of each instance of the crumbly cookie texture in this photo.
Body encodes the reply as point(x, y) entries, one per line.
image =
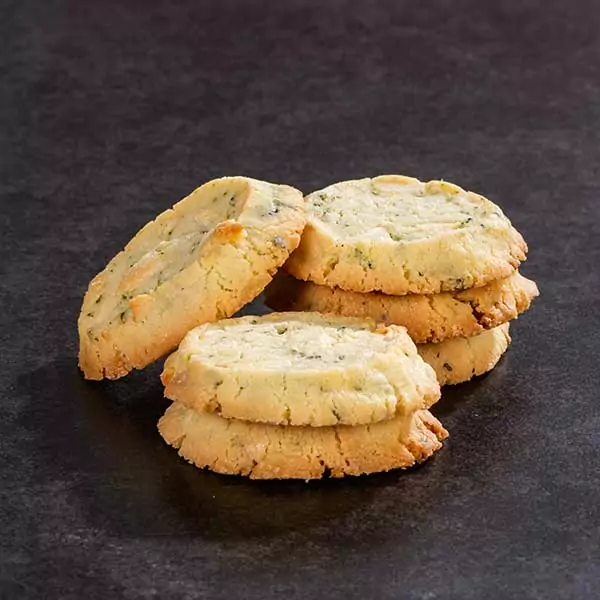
point(200, 261)
point(427, 318)
point(399, 235)
point(300, 369)
point(263, 451)
point(460, 359)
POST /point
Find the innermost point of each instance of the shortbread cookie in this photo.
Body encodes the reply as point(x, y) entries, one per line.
point(460, 359)
point(202, 260)
point(263, 451)
point(300, 369)
point(399, 235)
point(427, 318)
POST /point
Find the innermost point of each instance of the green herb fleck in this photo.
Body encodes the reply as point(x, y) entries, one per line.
point(455, 284)
point(362, 258)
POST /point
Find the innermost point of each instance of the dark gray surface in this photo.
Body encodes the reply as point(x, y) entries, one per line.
point(112, 112)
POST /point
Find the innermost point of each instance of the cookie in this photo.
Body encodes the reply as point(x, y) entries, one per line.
point(300, 369)
point(263, 451)
point(398, 235)
point(459, 359)
point(427, 318)
point(200, 261)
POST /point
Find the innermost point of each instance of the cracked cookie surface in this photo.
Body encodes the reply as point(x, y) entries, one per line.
point(399, 235)
point(300, 369)
point(199, 261)
point(427, 318)
point(263, 451)
point(460, 359)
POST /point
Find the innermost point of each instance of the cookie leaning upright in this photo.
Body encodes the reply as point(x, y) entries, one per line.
point(200, 261)
point(399, 235)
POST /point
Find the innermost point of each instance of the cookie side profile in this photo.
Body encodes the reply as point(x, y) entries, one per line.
point(202, 260)
point(427, 318)
point(300, 369)
point(398, 235)
point(460, 359)
point(262, 451)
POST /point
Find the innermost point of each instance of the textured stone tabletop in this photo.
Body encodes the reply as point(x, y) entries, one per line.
point(111, 111)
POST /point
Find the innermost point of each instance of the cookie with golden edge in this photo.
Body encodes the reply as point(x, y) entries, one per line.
point(197, 262)
point(262, 451)
point(427, 318)
point(460, 359)
point(300, 369)
point(399, 235)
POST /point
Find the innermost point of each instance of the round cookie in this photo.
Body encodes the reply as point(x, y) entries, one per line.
point(263, 451)
point(202, 260)
point(300, 369)
point(399, 235)
point(460, 359)
point(427, 318)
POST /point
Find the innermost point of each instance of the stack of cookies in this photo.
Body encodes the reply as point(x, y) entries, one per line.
point(302, 394)
point(429, 256)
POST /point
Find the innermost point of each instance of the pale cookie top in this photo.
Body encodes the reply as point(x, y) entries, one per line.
point(400, 235)
point(300, 369)
point(202, 260)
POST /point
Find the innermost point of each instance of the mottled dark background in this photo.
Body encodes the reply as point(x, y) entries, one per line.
point(111, 111)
